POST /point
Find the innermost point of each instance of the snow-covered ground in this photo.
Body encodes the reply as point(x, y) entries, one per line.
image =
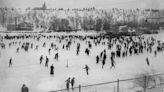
point(27, 70)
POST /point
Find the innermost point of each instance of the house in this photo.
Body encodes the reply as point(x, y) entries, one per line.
point(123, 29)
point(11, 27)
point(25, 26)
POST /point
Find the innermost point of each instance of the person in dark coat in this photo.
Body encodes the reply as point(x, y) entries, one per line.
point(18, 50)
point(67, 83)
point(155, 53)
point(101, 54)
point(10, 62)
point(147, 61)
point(97, 59)
point(103, 63)
point(72, 82)
point(41, 59)
point(86, 68)
point(24, 88)
point(46, 63)
point(112, 62)
point(87, 51)
point(57, 56)
point(49, 51)
point(52, 70)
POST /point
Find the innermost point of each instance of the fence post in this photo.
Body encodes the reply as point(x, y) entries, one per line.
point(79, 88)
point(117, 85)
point(145, 78)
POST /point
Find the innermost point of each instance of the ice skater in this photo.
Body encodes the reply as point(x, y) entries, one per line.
point(18, 50)
point(78, 49)
point(73, 82)
point(10, 62)
point(44, 44)
point(57, 56)
point(41, 59)
point(103, 63)
point(104, 60)
point(155, 53)
point(101, 54)
point(87, 69)
point(24, 88)
point(147, 61)
point(67, 83)
point(49, 51)
point(97, 59)
point(46, 63)
point(52, 70)
point(112, 62)
point(87, 51)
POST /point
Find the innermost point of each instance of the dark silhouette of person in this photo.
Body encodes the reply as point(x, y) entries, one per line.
point(103, 63)
point(112, 62)
point(49, 51)
point(104, 60)
point(52, 70)
point(10, 62)
point(24, 88)
point(147, 61)
point(155, 53)
point(97, 59)
point(57, 56)
point(86, 68)
point(41, 59)
point(67, 83)
point(46, 63)
point(72, 82)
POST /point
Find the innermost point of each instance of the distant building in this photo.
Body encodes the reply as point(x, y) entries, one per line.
point(123, 28)
point(44, 7)
point(11, 27)
point(21, 26)
point(25, 26)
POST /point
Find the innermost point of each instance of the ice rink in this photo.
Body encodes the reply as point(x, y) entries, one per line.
point(27, 70)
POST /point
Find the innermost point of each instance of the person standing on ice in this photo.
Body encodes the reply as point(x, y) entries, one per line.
point(155, 53)
point(57, 56)
point(18, 50)
point(112, 62)
point(78, 49)
point(10, 62)
point(147, 61)
point(49, 51)
point(46, 63)
point(52, 70)
point(41, 59)
point(31, 45)
point(44, 44)
point(87, 51)
point(67, 83)
point(24, 88)
point(103, 63)
point(72, 82)
point(101, 54)
point(97, 59)
point(86, 68)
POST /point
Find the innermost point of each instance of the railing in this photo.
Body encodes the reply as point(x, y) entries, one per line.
point(140, 84)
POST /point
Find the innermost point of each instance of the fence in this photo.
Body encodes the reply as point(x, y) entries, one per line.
point(144, 83)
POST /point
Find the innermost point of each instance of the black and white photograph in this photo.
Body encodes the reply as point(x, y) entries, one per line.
point(81, 45)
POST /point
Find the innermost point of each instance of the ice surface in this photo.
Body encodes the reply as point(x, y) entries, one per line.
point(27, 70)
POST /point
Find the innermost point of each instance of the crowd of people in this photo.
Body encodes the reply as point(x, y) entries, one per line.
point(118, 47)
